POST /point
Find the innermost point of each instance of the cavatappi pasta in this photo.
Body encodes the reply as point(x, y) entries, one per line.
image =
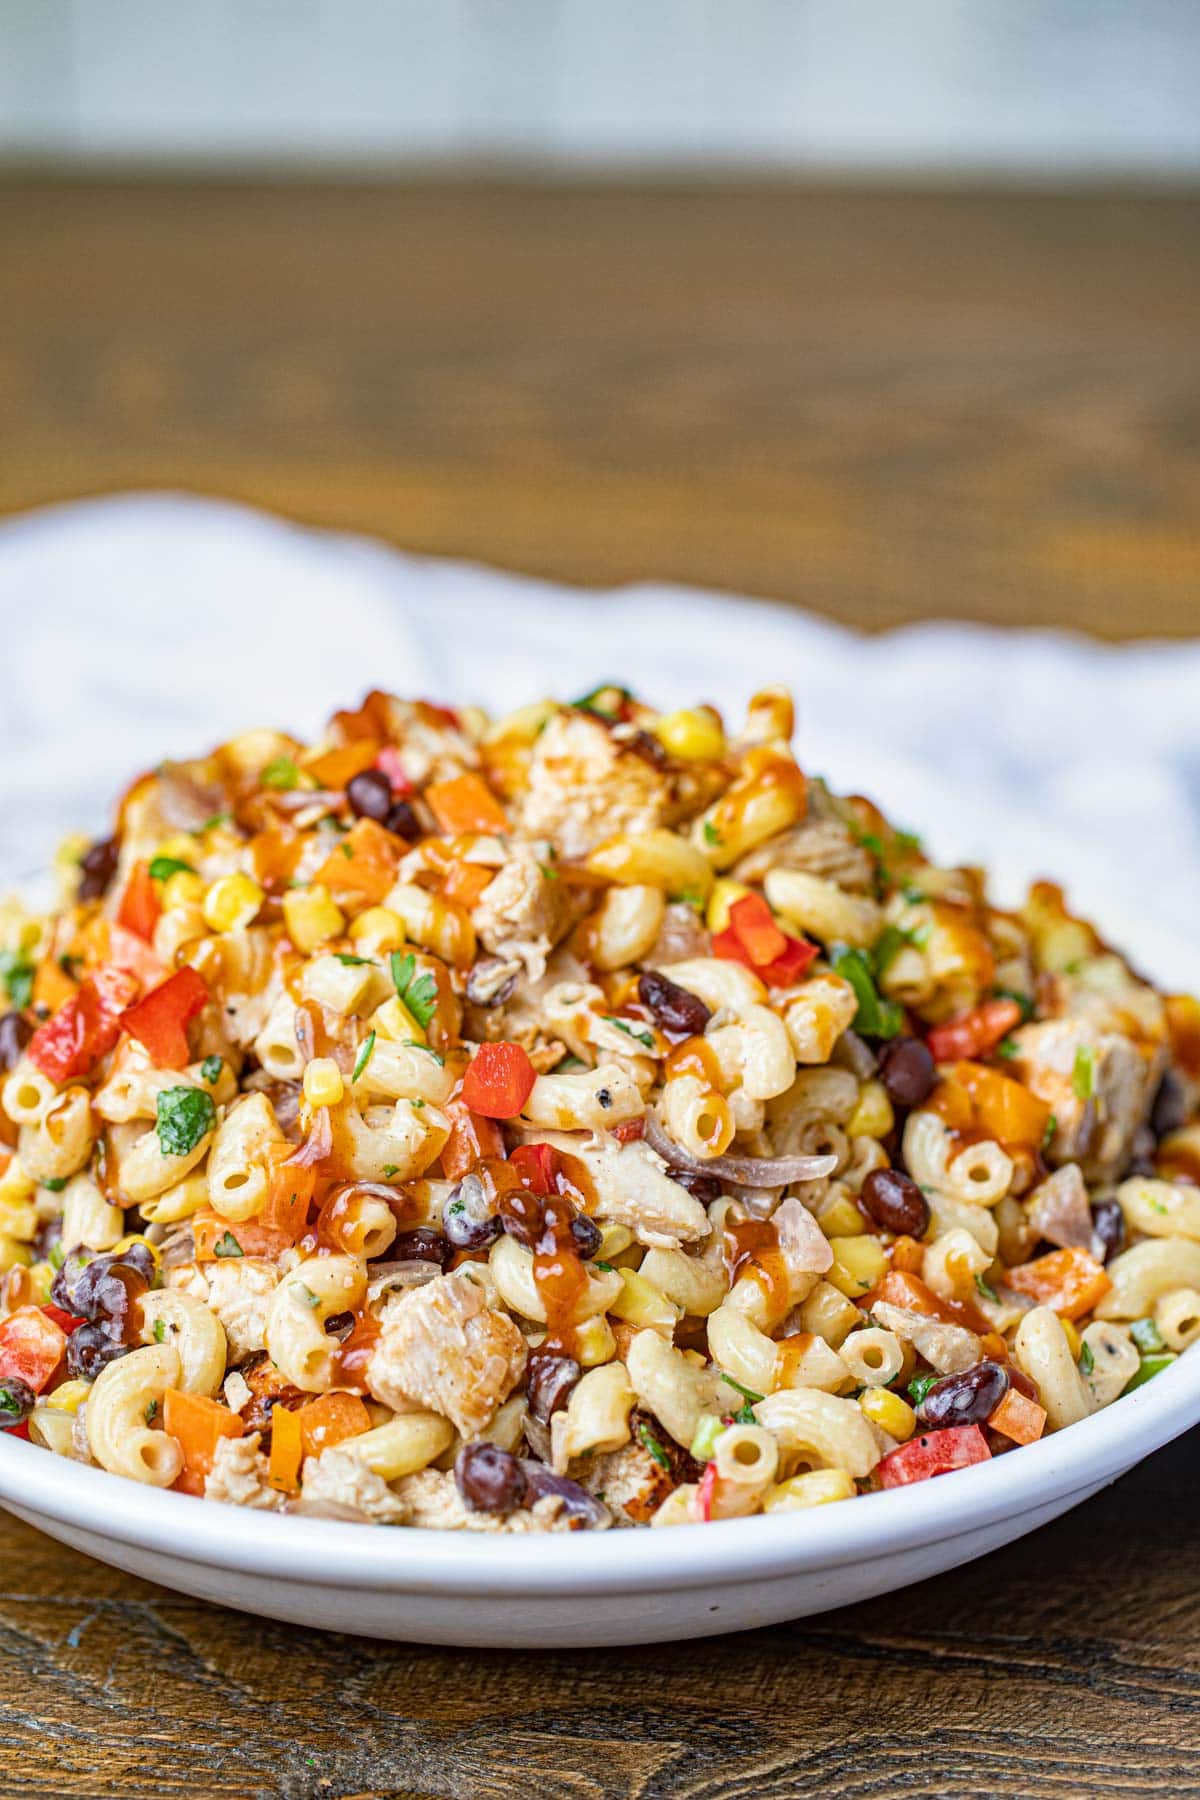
point(574, 1119)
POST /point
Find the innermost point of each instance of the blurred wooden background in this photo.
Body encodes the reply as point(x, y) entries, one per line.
point(883, 404)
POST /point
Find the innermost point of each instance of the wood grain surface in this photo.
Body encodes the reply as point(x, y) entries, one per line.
point(887, 406)
point(884, 405)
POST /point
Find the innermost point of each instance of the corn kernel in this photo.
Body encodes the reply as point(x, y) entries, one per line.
point(311, 917)
point(179, 847)
point(594, 1342)
point(614, 1241)
point(68, 1396)
point(13, 1254)
point(41, 1280)
point(724, 893)
point(841, 1218)
point(858, 1263)
point(394, 1021)
point(323, 1084)
point(816, 1488)
point(378, 929)
point(232, 902)
point(693, 734)
point(182, 889)
point(15, 1184)
point(641, 1303)
point(891, 1412)
point(1072, 1336)
point(873, 1115)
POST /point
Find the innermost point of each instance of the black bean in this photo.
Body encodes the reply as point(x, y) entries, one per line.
point(97, 866)
point(90, 1348)
point(1108, 1229)
point(489, 1479)
point(896, 1202)
point(103, 1288)
point(15, 1033)
point(1169, 1111)
point(586, 1235)
point(551, 1379)
point(370, 795)
point(705, 1188)
point(907, 1071)
point(404, 822)
point(467, 1217)
point(421, 1245)
point(16, 1402)
point(968, 1398)
point(673, 1007)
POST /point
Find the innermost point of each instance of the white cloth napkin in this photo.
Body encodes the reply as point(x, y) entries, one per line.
point(155, 625)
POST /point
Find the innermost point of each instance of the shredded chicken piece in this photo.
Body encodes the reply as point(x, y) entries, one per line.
point(432, 1499)
point(239, 1475)
point(583, 787)
point(336, 1485)
point(803, 1245)
point(1058, 1209)
point(238, 1290)
point(820, 847)
point(1059, 1058)
point(633, 1188)
point(442, 1345)
point(522, 912)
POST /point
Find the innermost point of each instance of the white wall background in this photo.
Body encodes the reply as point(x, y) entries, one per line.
point(1013, 85)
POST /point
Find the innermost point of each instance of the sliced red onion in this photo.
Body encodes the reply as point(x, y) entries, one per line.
point(861, 1058)
point(317, 1144)
point(742, 1171)
point(540, 1481)
point(388, 1275)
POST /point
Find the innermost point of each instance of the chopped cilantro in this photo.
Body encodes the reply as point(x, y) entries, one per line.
point(985, 1288)
point(1051, 1128)
point(643, 1037)
point(607, 1267)
point(426, 1050)
point(591, 702)
point(17, 972)
point(347, 851)
point(418, 992)
point(711, 834)
point(56, 1183)
point(1083, 1075)
point(875, 1017)
point(915, 896)
point(151, 1412)
point(363, 1057)
point(184, 1116)
point(655, 1449)
point(745, 1414)
point(163, 867)
point(70, 964)
point(211, 1068)
point(281, 772)
point(160, 1331)
point(352, 962)
point(1008, 1048)
point(747, 1393)
point(390, 1169)
point(908, 843)
point(919, 1386)
point(1087, 1361)
point(690, 897)
point(228, 1246)
point(549, 873)
point(218, 818)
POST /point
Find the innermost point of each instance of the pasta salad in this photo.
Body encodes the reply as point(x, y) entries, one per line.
point(578, 1119)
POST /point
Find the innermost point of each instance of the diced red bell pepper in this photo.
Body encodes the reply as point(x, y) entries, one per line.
point(471, 1139)
point(751, 920)
point(936, 1453)
point(730, 948)
point(133, 954)
point(973, 1034)
point(86, 1028)
point(499, 1081)
point(537, 1167)
point(64, 1320)
point(21, 1430)
point(31, 1347)
point(140, 903)
point(159, 1020)
point(706, 1491)
point(787, 967)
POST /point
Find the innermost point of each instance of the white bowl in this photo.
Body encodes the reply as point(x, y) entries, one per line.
point(615, 1587)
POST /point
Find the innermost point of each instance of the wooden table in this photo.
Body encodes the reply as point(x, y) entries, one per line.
point(885, 405)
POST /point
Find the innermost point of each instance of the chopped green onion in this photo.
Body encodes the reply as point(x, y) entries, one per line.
point(351, 962)
point(708, 1429)
point(55, 1183)
point(711, 834)
point(160, 1331)
point(363, 1057)
point(1083, 1075)
point(1051, 1128)
point(1149, 1367)
point(643, 1037)
point(1087, 1361)
point(426, 1050)
point(163, 867)
point(875, 1017)
point(1022, 1000)
point(281, 773)
point(17, 972)
point(982, 1287)
point(1146, 1335)
point(748, 1393)
point(919, 1386)
point(418, 992)
point(306, 1295)
point(656, 1450)
point(228, 1246)
point(211, 1068)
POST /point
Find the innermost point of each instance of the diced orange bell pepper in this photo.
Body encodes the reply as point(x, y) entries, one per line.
point(287, 1450)
point(466, 882)
point(1020, 1419)
point(465, 804)
point(197, 1424)
point(52, 986)
point(160, 1019)
point(334, 768)
point(973, 1034)
point(499, 1081)
point(140, 903)
point(31, 1347)
point(1070, 1281)
point(1004, 1108)
point(363, 862)
point(472, 1138)
point(330, 1418)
